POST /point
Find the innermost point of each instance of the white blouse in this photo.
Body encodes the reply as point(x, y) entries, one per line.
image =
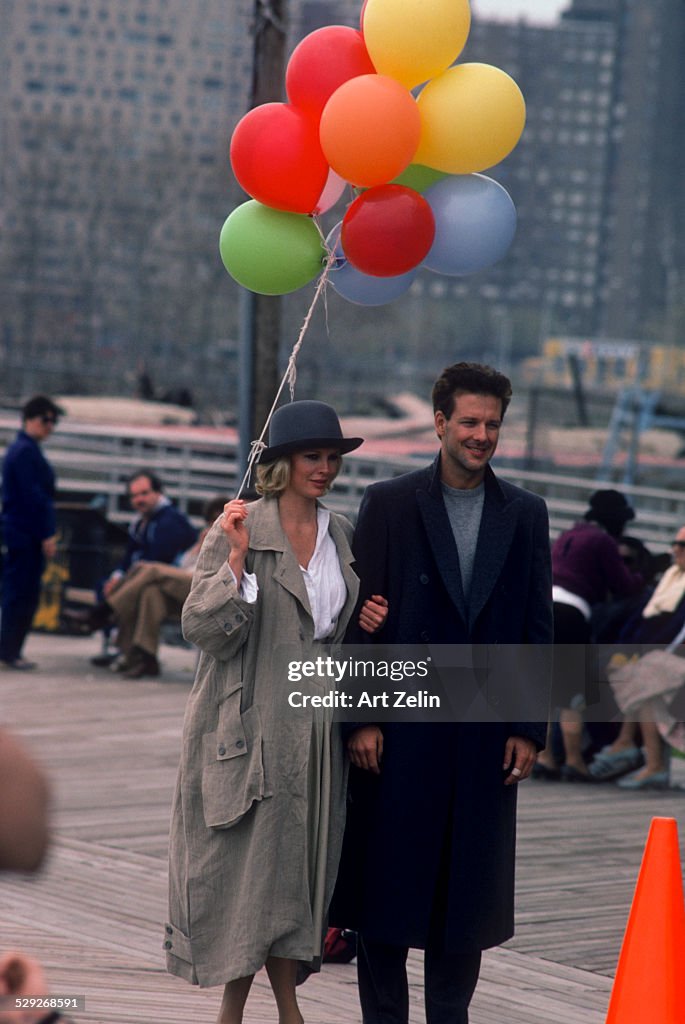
point(323, 579)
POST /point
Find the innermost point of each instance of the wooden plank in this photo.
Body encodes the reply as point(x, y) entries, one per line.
point(94, 916)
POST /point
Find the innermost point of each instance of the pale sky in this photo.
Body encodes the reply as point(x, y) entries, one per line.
point(537, 11)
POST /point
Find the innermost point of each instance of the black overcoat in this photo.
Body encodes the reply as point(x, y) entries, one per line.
point(438, 819)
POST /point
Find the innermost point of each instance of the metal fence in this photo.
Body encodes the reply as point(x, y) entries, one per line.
point(93, 462)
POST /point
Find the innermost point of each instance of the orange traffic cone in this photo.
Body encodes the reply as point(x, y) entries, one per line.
point(650, 980)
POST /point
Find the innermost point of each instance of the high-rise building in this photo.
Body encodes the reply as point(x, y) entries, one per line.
point(596, 175)
point(114, 130)
point(114, 180)
point(644, 210)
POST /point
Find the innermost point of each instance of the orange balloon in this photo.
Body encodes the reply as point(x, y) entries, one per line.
point(370, 129)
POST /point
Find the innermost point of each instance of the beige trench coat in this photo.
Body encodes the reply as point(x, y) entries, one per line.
point(260, 799)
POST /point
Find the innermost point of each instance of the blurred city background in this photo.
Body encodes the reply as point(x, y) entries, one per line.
point(115, 180)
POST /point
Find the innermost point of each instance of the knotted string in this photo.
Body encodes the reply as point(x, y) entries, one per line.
point(290, 375)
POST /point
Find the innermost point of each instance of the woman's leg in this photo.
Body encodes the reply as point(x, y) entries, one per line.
point(626, 739)
point(656, 758)
point(571, 725)
point(233, 1003)
point(283, 976)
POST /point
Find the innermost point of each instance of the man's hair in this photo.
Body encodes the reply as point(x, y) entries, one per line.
point(469, 379)
point(155, 483)
point(40, 405)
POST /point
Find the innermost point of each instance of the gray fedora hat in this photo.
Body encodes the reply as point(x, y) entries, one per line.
point(301, 425)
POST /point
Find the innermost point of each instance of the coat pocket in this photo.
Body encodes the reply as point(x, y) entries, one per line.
point(233, 773)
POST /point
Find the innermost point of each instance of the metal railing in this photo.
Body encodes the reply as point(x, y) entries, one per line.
point(93, 462)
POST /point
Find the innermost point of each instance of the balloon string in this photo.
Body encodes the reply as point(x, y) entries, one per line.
point(290, 375)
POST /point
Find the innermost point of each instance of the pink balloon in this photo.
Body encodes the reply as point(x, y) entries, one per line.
point(321, 63)
point(332, 190)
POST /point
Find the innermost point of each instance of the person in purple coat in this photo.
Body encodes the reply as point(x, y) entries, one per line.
point(586, 568)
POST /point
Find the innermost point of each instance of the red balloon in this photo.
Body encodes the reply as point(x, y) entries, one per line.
point(387, 230)
point(321, 63)
point(277, 157)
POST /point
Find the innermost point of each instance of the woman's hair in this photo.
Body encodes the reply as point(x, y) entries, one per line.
point(274, 477)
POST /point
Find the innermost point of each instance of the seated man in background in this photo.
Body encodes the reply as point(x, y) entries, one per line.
point(159, 533)
point(147, 594)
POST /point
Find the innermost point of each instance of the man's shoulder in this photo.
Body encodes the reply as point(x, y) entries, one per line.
point(512, 492)
point(170, 515)
point(22, 442)
point(23, 449)
point(405, 483)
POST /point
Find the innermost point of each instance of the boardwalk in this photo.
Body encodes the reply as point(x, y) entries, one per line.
point(94, 915)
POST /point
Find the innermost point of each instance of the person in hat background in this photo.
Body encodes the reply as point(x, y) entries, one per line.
point(586, 568)
point(29, 527)
point(259, 806)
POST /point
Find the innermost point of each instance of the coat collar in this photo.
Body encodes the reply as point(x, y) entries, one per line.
point(267, 534)
point(495, 534)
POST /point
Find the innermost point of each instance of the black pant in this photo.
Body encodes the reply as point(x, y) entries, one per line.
point(449, 983)
point(21, 573)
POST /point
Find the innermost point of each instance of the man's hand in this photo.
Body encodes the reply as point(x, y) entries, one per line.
point(110, 585)
point(365, 748)
point(374, 613)
point(49, 546)
point(519, 758)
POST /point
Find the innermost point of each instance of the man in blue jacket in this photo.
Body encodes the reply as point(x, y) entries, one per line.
point(159, 533)
point(428, 860)
point(28, 518)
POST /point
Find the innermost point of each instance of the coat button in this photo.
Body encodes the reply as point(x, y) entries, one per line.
point(423, 578)
point(240, 618)
point(221, 749)
point(425, 637)
point(227, 627)
point(168, 944)
point(301, 634)
point(169, 930)
point(240, 743)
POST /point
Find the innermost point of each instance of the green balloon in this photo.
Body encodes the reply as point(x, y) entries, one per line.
point(418, 177)
point(270, 251)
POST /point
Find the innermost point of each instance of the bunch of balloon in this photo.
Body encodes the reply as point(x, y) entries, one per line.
point(384, 111)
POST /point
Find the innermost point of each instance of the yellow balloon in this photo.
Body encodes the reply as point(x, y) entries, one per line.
point(414, 40)
point(472, 117)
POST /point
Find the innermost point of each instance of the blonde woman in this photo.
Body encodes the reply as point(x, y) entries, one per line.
point(259, 807)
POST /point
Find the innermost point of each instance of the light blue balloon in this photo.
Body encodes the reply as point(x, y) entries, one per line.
point(363, 289)
point(475, 223)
